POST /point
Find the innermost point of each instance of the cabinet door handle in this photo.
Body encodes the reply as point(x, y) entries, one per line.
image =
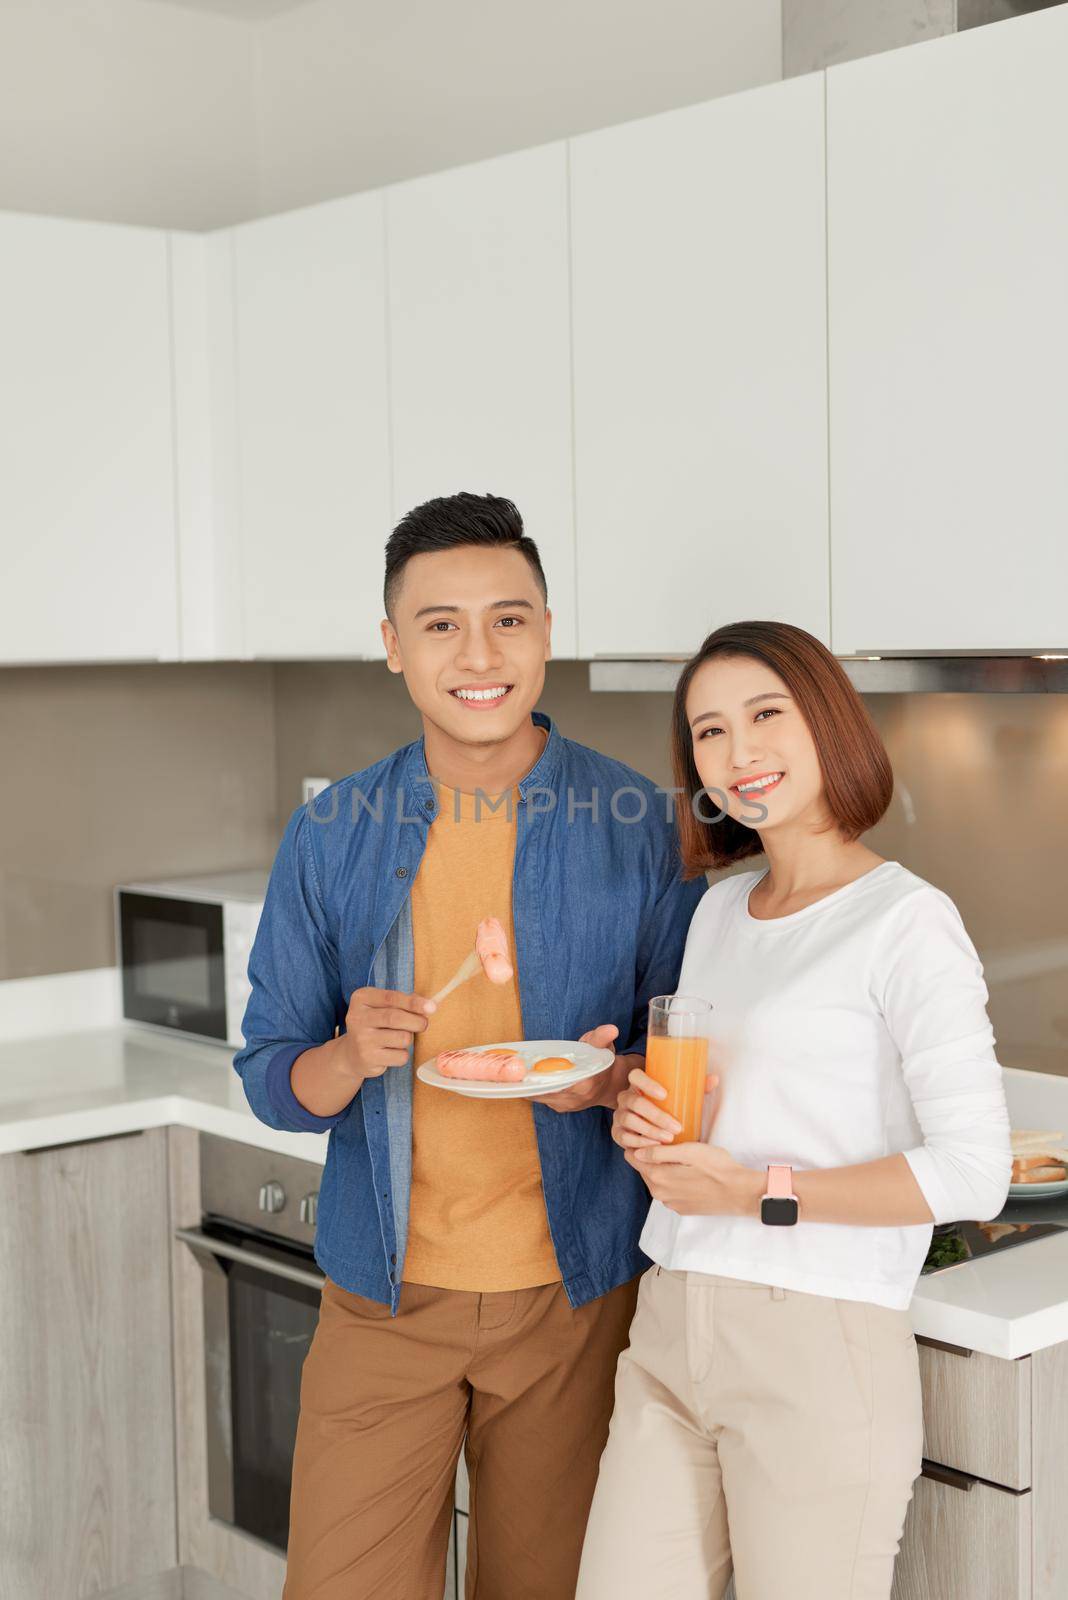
point(77, 1144)
point(950, 1475)
point(940, 1344)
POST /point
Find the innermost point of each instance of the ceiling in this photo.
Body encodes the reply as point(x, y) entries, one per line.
point(244, 10)
point(198, 114)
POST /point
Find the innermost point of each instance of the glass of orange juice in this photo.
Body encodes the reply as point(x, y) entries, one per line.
point(676, 1056)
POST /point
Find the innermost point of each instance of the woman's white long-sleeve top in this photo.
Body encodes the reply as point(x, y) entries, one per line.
point(844, 1032)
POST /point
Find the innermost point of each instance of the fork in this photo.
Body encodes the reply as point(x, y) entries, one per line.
point(467, 969)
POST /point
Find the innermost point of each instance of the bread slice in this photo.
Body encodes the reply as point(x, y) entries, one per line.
point(1042, 1175)
point(993, 1231)
point(1048, 1158)
point(1033, 1141)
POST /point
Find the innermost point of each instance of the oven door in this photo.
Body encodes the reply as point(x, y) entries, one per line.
point(261, 1308)
point(173, 962)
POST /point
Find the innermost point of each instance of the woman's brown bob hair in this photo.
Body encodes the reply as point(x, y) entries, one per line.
point(858, 779)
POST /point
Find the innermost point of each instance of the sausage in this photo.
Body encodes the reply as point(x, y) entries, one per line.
point(487, 1066)
point(491, 944)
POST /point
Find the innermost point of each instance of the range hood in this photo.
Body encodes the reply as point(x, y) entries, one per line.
point(1045, 672)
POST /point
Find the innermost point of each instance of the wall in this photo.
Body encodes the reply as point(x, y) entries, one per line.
point(820, 33)
point(977, 13)
point(335, 718)
point(113, 773)
point(980, 798)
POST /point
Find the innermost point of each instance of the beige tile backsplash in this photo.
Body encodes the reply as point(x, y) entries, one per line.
point(118, 772)
point(979, 808)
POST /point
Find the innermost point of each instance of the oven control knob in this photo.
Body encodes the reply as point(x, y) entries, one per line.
point(272, 1198)
point(309, 1209)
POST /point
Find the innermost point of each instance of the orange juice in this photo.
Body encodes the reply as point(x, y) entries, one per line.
point(681, 1066)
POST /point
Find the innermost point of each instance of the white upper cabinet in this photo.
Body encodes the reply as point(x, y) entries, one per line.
point(313, 429)
point(700, 371)
point(87, 488)
point(480, 349)
point(209, 558)
point(948, 252)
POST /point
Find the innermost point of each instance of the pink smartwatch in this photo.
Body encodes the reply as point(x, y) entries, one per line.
point(779, 1207)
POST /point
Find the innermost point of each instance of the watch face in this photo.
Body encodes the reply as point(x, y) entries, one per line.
point(778, 1213)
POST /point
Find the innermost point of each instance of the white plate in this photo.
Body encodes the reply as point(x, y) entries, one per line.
point(1037, 1191)
point(588, 1059)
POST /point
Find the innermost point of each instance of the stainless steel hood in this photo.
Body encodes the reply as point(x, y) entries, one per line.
point(1042, 673)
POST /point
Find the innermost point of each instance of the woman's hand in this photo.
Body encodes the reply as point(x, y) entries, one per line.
point(639, 1122)
point(699, 1180)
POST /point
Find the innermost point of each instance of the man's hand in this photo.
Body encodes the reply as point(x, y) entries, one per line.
point(600, 1090)
point(379, 1028)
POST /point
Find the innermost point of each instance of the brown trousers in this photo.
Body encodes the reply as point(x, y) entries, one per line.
point(384, 1407)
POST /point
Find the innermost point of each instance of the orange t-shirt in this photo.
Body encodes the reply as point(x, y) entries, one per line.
point(477, 1219)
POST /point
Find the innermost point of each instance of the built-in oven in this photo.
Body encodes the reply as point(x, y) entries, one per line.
point(261, 1305)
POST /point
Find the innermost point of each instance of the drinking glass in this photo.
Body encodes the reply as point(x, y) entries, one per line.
point(677, 1057)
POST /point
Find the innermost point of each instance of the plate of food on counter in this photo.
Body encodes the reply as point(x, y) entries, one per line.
point(1039, 1165)
point(516, 1069)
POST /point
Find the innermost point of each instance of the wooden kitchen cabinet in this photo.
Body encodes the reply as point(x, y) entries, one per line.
point(87, 486)
point(948, 258)
point(1049, 1402)
point(86, 1401)
point(700, 371)
point(964, 1540)
point(969, 1526)
point(977, 1413)
point(480, 349)
point(313, 429)
point(986, 1520)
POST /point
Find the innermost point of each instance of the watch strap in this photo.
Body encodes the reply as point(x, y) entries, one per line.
point(781, 1183)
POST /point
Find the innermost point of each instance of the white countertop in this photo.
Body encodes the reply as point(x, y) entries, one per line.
point(72, 1086)
point(67, 1087)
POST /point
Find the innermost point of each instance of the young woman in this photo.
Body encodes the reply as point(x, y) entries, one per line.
point(768, 1408)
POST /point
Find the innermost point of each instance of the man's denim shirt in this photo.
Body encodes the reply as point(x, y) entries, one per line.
point(600, 916)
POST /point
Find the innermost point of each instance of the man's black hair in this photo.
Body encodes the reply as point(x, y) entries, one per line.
point(453, 520)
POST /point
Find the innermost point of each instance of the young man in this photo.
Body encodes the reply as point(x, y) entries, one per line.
point(481, 1256)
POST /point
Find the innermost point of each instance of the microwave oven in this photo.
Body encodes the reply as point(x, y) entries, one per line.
point(183, 947)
